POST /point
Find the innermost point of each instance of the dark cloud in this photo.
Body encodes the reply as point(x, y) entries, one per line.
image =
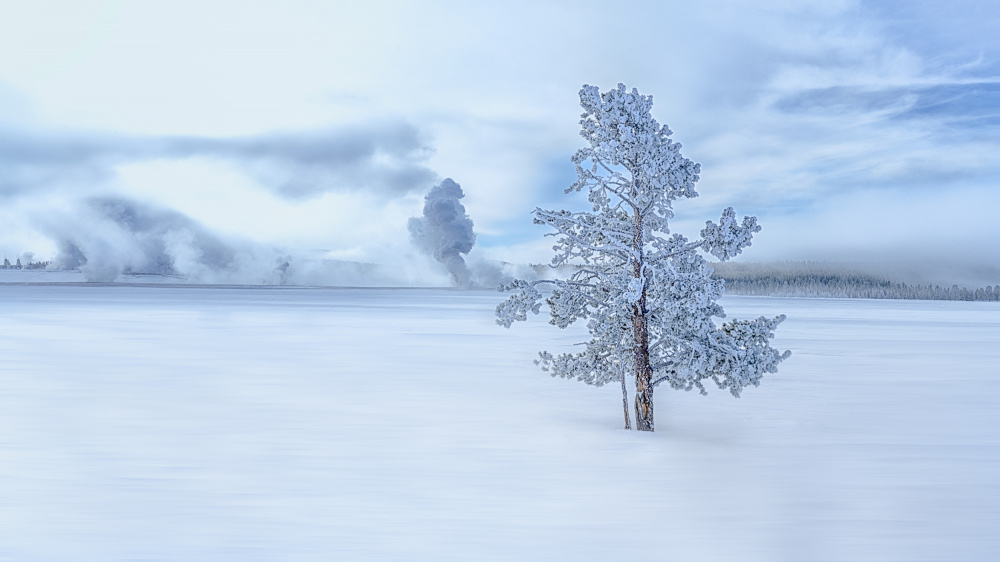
point(445, 230)
point(32, 161)
point(387, 159)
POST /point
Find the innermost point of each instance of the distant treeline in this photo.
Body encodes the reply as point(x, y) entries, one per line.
point(819, 279)
point(30, 265)
point(805, 279)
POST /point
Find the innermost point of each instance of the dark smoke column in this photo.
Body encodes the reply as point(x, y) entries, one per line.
point(445, 231)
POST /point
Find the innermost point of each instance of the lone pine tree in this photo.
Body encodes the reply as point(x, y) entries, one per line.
point(647, 295)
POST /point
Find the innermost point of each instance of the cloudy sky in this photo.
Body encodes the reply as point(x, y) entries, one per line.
point(853, 130)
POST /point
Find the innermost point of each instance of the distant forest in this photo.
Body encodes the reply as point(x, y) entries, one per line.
point(778, 279)
point(816, 279)
point(17, 264)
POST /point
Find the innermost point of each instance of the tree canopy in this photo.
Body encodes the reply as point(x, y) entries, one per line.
point(647, 295)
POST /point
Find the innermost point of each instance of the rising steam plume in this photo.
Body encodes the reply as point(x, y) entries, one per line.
point(445, 230)
point(111, 239)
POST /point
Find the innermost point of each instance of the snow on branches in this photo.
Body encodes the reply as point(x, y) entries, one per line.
point(647, 296)
point(728, 238)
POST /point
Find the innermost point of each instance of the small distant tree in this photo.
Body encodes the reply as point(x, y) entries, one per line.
point(647, 295)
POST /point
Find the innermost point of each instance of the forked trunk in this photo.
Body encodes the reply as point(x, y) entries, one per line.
point(643, 372)
point(640, 336)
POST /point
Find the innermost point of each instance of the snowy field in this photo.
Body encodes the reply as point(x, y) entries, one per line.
point(185, 423)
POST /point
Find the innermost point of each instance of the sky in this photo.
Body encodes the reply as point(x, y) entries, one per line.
point(152, 131)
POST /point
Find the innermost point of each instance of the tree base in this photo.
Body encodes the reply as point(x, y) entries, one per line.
point(643, 414)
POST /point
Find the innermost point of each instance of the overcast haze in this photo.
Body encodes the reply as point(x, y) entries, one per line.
point(853, 130)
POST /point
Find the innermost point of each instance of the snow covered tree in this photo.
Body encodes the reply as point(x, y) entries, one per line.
point(647, 295)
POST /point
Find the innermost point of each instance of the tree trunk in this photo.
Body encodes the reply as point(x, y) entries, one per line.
point(628, 422)
point(640, 336)
point(643, 372)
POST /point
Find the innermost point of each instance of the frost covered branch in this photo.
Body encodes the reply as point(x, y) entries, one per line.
point(648, 297)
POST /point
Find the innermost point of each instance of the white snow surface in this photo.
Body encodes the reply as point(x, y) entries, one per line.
point(287, 424)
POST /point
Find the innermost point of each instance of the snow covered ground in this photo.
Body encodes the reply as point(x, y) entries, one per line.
point(287, 424)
